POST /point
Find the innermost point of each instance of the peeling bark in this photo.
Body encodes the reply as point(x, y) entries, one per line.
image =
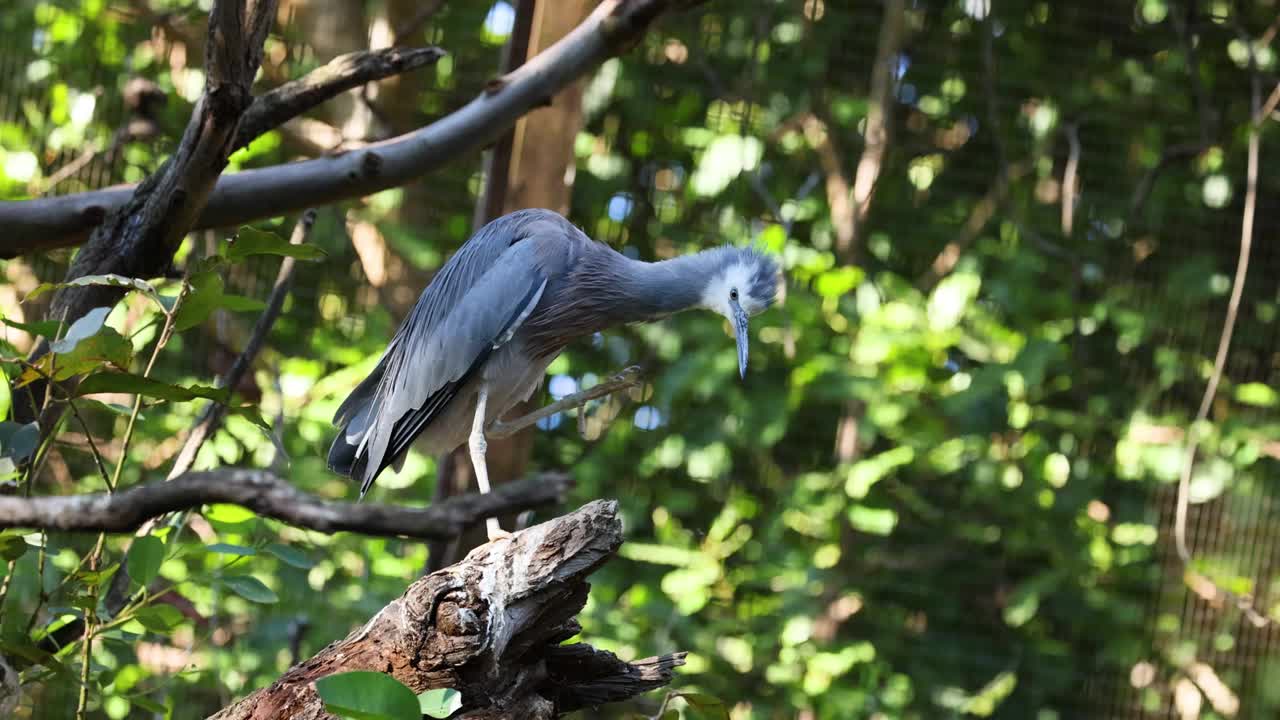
point(491, 627)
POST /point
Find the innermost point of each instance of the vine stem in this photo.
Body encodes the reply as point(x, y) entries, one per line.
point(90, 615)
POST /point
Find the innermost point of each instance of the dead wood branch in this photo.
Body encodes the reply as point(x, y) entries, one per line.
point(491, 627)
point(270, 496)
point(340, 74)
point(614, 27)
point(879, 123)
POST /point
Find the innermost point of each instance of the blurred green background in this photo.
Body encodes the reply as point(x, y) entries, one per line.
point(945, 488)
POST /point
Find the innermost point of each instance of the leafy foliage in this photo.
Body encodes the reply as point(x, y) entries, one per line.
point(930, 498)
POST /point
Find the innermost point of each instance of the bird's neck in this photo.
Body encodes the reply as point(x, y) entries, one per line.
point(652, 290)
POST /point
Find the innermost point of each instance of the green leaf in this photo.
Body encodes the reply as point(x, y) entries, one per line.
point(251, 588)
point(1254, 393)
point(97, 577)
point(6, 396)
point(106, 347)
point(12, 546)
point(707, 706)
point(144, 558)
point(290, 556)
point(251, 241)
point(161, 618)
point(228, 514)
point(207, 294)
point(229, 549)
point(365, 695)
point(139, 385)
point(148, 704)
point(201, 301)
point(440, 703)
point(108, 279)
point(18, 441)
point(835, 283)
point(240, 303)
point(41, 328)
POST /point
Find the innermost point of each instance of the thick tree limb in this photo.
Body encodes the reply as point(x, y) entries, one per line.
point(253, 194)
point(270, 496)
point(490, 627)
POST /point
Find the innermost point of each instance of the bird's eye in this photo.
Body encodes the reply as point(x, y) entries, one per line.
point(733, 294)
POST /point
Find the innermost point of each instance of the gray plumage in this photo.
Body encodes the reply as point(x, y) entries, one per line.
point(497, 314)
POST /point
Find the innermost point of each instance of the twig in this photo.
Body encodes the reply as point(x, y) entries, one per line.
point(879, 115)
point(1069, 179)
point(165, 333)
point(625, 379)
point(1224, 340)
point(415, 23)
point(337, 76)
point(214, 413)
point(269, 496)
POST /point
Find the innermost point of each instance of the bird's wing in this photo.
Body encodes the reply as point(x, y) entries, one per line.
point(446, 339)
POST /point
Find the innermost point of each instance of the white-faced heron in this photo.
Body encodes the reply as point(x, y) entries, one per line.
point(482, 334)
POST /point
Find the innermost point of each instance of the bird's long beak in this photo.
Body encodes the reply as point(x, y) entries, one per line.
point(740, 332)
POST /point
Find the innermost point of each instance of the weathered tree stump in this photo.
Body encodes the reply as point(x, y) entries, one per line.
point(491, 627)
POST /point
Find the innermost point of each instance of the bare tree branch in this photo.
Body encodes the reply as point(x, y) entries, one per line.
point(337, 76)
point(490, 627)
point(270, 496)
point(1185, 553)
point(614, 27)
point(879, 120)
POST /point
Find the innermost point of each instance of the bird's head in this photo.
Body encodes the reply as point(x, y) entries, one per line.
point(743, 283)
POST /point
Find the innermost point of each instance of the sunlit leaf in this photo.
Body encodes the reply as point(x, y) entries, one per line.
point(90, 323)
point(440, 703)
point(104, 348)
point(365, 695)
point(108, 279)
point(229, 514)
point(1258, 394)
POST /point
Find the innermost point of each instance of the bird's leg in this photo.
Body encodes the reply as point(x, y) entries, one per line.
point(477, 445)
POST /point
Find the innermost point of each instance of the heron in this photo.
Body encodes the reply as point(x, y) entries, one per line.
point(482, 334)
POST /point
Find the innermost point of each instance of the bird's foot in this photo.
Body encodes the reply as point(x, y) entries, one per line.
point(495, 530)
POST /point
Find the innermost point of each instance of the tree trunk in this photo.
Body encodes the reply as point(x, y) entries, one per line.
point(490, 627)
